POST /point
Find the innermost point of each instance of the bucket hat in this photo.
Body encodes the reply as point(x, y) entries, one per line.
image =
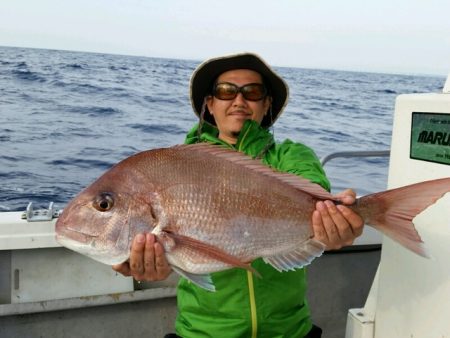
point(206, 73)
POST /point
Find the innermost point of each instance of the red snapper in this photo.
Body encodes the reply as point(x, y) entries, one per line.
point(212, 209)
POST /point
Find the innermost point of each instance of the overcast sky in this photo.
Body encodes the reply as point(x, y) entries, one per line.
point(394, 36)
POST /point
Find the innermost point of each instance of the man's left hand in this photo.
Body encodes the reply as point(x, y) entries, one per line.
point(336, 225)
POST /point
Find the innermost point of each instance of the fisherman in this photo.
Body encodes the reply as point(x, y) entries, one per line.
point(237, 99)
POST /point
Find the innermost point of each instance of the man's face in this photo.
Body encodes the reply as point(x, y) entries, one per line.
point(230, 115)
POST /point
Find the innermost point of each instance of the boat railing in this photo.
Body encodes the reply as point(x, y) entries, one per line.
point(366, 153)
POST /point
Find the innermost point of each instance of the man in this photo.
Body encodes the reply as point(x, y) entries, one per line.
point(237, 98)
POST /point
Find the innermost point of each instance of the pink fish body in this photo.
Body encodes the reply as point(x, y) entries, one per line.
point(213, 209)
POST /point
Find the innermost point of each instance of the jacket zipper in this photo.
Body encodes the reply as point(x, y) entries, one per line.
point(251, 292)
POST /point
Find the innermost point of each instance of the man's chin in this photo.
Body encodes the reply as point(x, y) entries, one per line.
point(235, 134)
point(238, 122)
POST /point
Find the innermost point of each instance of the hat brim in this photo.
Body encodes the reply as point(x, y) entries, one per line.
point(203, 78)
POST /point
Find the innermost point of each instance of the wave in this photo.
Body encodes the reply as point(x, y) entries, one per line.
point(4, 138)
point(80, 162)
point(27, 75)
point(386, 91)
point(87, 88)
point(157, 128)
point(74, 66)
point(94, 111)
point(118, 68)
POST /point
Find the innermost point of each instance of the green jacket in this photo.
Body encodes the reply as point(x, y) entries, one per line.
point(243, 305)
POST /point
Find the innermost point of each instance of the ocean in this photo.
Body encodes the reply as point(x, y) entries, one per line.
point(66, 117)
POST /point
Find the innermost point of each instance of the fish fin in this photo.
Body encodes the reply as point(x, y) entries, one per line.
point(210, 251)
point(298, 258)
point(203, 281)
point(256, 165)
point(392, 211)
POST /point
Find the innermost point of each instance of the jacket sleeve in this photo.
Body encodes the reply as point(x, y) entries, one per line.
point(298, 159)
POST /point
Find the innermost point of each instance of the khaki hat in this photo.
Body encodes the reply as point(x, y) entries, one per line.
point(205, 74)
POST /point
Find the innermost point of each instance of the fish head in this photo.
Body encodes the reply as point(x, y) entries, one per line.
point(102, 220)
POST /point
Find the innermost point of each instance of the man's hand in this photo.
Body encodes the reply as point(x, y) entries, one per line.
point(147, 260)
point(336, 225)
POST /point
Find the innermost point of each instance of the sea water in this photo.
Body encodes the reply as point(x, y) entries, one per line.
point(66, 117)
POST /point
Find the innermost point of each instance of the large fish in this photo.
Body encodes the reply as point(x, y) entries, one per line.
point(212, 209)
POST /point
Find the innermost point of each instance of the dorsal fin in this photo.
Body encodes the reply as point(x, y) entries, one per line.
point(255, 165)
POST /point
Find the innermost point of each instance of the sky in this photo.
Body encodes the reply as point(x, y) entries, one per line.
point(389, 36)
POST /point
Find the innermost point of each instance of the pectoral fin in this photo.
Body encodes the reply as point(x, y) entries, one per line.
point(210, 251)
point(203, 281)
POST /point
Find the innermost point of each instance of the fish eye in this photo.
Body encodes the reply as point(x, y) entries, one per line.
point(104, 202)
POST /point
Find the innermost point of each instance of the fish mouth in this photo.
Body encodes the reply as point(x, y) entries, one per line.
point(75, 235)
point(105, 256)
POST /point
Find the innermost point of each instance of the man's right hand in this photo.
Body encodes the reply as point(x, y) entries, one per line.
point(147, 260)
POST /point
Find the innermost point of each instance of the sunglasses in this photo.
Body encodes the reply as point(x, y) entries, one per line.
point(229, 91)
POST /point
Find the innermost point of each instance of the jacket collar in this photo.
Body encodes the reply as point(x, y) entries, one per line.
point(253, 139)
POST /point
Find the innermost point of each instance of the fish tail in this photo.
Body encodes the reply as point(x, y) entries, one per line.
point(392, 211)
